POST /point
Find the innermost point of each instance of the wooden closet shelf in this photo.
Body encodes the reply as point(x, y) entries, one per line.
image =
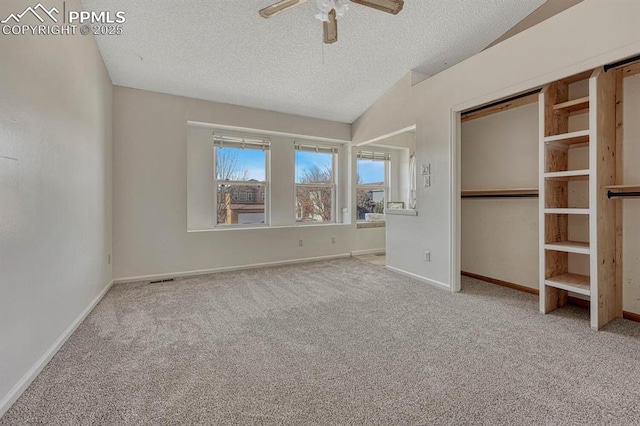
point(577, 247)
point(623, 187)
point(575, 283)
point(500, 193)
point(581, 136)
point(575, 106)
point(566, 211)
point(568, 175)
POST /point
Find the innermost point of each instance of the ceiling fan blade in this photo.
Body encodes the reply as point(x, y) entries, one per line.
point(330, 28)
point(280, 6)
point(390, 6)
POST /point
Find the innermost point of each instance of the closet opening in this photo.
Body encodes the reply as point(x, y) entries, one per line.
point(499, 193)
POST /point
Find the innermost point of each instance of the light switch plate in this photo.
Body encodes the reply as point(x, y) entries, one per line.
point(427, 181)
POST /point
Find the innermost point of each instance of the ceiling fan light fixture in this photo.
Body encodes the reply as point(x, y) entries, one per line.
point(326, 6)
point(330, 10)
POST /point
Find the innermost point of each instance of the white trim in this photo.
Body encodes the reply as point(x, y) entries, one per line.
point(253, 131)
point(369, 251)
point(33, 372)
point(388, 135)
point(434, 283)
point(455, 234)
point(227, 269)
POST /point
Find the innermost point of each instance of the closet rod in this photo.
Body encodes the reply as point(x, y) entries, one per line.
point(611, 194)
point(501, 196)
point(620, 63)
point(503, 101)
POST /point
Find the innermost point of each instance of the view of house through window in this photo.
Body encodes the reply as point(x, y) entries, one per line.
point(372, 185)
point(315, 179)
point(241, 180)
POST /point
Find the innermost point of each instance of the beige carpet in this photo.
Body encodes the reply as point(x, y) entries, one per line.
point(337, 342)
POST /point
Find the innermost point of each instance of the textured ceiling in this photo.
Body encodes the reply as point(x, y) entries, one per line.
point(221, 50)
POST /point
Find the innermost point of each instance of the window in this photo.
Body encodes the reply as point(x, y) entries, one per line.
point(315, 182)
point(372, 186)
point(241, 166)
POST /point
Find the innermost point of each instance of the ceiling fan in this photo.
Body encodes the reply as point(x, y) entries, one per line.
point(330, 10)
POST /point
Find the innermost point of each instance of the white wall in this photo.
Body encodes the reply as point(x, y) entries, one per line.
point(631, 206)
point(55, 193)
point(401, 147)
point(500, 236)
point(150, 191)
point(587, 35)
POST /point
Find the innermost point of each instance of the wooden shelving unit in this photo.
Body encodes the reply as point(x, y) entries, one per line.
point(558, 275)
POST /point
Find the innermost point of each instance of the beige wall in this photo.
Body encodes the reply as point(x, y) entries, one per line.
point(500, 236)
point(585, 36)
point(55, 193)
point(150, 191)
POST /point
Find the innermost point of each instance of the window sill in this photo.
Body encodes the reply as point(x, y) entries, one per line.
point(370, 225)
point(402, 212)
point(256, 228)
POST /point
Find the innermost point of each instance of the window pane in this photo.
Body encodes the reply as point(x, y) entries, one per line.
point(314, 204)
point(240, 164)
point(314, 167)
point(369, 201)
point(241, 205)
point(371, 172)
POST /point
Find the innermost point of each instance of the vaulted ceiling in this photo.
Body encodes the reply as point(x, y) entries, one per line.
point(223, 51)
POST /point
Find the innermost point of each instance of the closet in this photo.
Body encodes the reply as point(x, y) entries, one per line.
point(561, 222)
point(499, 180)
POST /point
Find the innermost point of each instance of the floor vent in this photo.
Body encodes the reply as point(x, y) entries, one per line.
point(168, 280)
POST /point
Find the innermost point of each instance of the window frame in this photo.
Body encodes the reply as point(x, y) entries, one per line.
point(386, 186)
point(335, 152)
point(264, 184)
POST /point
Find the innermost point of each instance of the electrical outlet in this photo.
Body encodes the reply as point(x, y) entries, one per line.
point(300, 242)
point(333, 240)
point(426, 169)
point(427, 256)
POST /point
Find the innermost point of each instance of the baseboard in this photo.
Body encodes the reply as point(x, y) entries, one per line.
point(420, 278)
point(502, 283)
point(13, 395)
point(631, 316)
point(370, 251)
point(575, 301)
point(227, 269)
